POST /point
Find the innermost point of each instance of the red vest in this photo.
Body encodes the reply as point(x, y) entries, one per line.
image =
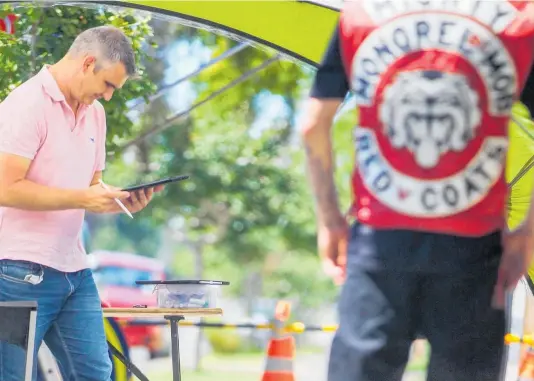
point(434, 83)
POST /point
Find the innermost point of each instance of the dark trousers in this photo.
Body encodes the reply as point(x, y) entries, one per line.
point(383, 308)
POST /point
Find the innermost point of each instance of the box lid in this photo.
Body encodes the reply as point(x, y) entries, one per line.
point(201, 282)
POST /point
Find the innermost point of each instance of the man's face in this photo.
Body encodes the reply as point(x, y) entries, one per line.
point(99, 80)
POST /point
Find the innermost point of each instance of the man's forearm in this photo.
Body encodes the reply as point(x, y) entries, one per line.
point(320, 165)
point(27, 195)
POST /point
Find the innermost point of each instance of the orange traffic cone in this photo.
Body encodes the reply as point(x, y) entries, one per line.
point(281, 350)
point(526, 370)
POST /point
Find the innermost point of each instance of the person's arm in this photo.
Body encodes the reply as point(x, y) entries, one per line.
point(20, 140)
point(18, 192)
point(518, 242)
point(329, 90)
point(320, 160)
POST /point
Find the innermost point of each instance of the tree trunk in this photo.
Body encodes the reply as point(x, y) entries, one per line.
point(143, 155)
point(34, 33)
point(166, 248)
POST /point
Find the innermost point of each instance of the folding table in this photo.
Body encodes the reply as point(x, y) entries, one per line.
point(173, 316)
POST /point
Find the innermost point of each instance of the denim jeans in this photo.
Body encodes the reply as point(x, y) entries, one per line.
point(382, 309)
point(69, 320)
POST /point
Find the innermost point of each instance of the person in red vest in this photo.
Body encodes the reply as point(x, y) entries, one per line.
point(434, 84)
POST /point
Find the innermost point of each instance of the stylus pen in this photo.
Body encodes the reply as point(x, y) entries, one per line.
point(116, 199)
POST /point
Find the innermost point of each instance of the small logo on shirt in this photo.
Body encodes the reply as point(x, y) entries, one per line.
point(92, 139)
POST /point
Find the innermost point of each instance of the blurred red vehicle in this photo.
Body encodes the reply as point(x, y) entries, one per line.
point(115, 274)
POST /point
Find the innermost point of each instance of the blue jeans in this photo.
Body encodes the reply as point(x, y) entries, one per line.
point(385, 305)
point(69, 320)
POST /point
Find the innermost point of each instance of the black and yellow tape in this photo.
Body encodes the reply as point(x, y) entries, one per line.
point(296, 327)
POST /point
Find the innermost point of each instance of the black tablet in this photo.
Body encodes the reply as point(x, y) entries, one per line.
point(155, 183)
point(204, 282)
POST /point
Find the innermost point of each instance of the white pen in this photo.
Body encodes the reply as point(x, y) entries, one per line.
point(116, 199)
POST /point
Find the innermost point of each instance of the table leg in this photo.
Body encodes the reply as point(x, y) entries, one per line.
point(175, 349)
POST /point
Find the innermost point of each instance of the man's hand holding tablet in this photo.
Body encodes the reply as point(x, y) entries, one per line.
point(141, 194)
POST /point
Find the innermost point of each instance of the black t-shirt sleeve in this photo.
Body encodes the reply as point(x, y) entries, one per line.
point(331, 79)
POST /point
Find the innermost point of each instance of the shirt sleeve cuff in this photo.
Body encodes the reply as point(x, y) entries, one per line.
point(330, 85)
point(18, 152)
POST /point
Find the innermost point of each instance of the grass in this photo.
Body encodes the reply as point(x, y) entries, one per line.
point(205, 375)
point(248, 367)
point(230, 367)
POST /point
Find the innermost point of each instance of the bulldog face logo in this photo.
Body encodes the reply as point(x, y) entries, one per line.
point(430, 113)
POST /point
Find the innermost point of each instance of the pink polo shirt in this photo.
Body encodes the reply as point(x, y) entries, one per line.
point(37, 123)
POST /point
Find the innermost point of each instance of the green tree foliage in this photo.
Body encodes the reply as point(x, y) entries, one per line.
point(248, 191)
point(243, 183)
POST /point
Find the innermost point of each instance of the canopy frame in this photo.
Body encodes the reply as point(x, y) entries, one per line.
point(162, 8)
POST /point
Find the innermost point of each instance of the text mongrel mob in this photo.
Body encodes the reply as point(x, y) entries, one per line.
point(448, 34)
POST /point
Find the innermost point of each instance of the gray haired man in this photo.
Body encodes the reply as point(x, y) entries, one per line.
point(52, 154)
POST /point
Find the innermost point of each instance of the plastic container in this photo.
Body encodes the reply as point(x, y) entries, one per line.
point(186, 293)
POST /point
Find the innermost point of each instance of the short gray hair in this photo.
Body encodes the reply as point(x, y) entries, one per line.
point(108, 43)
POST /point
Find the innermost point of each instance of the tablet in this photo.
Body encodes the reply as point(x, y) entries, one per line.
point(155, 183)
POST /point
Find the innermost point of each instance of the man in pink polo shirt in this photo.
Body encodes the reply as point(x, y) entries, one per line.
point(52, 154)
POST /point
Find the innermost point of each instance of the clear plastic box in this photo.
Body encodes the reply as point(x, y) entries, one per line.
point(187, 293)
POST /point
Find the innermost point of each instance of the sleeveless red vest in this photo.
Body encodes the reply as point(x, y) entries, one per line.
point(434, 83)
